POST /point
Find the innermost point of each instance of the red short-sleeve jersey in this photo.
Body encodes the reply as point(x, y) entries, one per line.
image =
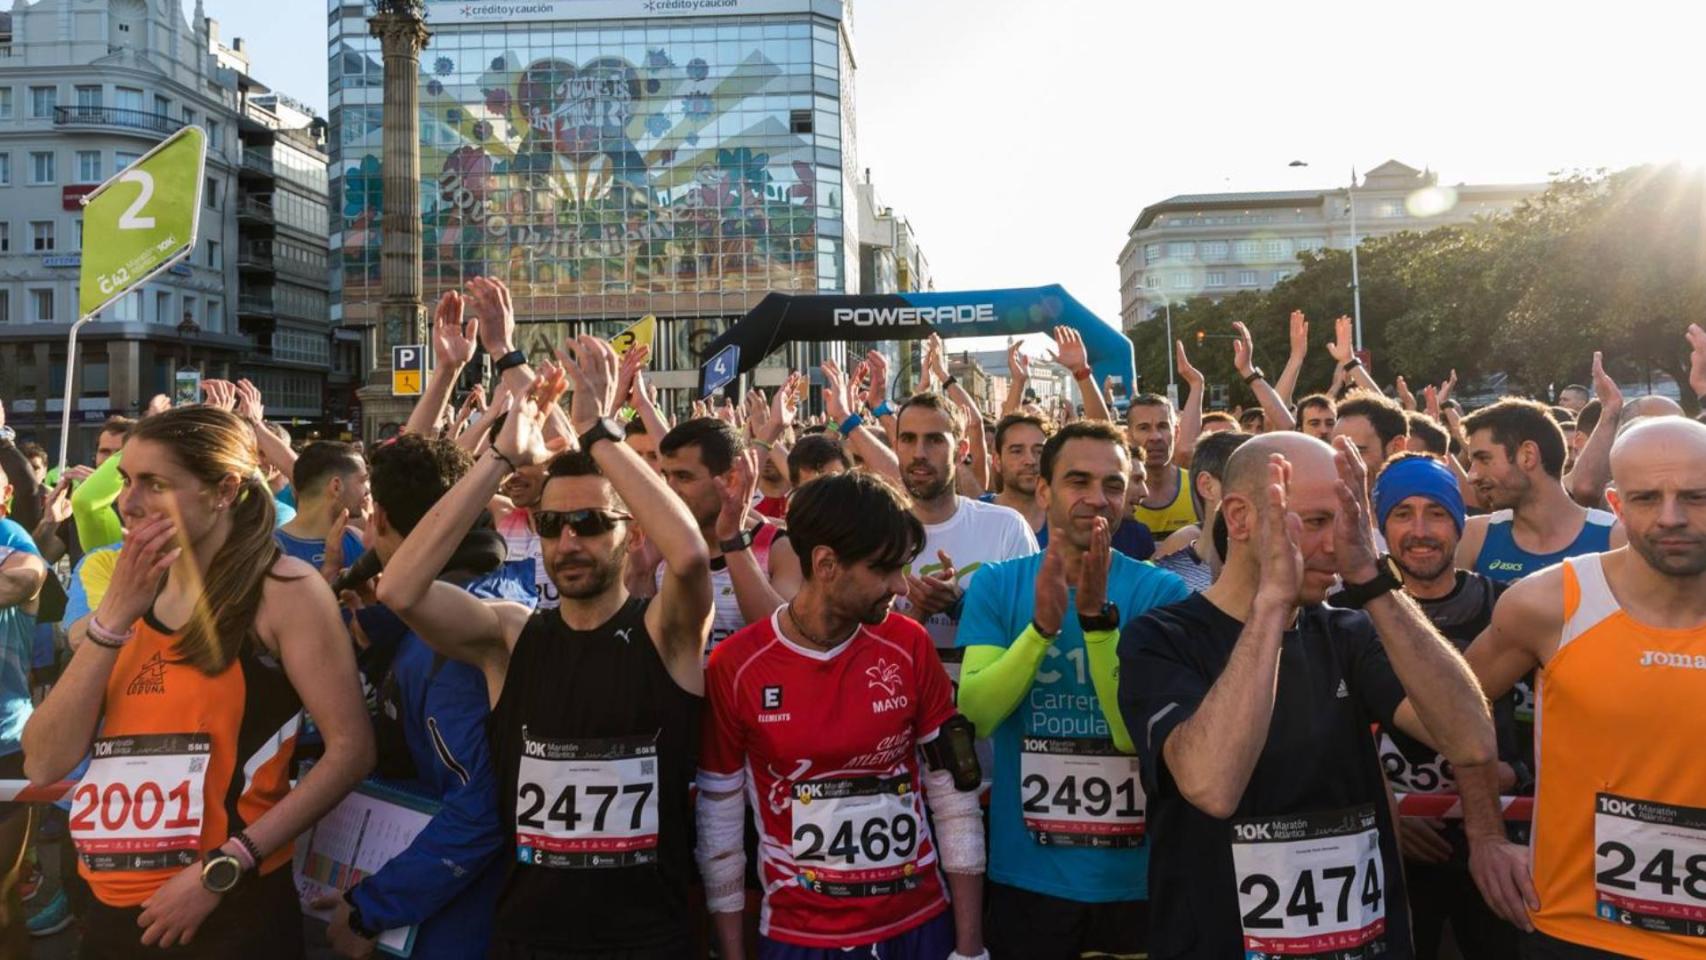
point(826, 746)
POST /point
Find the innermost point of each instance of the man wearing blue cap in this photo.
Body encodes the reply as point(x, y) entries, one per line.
point(1419, 507)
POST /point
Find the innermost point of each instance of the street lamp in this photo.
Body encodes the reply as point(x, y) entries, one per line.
point(1356, 286)
point(1167, 308)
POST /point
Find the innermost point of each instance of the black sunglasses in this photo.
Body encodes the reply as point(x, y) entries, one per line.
point(585, 523)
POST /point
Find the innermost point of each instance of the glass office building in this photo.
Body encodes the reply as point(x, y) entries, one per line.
point(637, 162)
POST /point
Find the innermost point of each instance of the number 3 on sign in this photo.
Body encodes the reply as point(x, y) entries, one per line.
point(129, 219)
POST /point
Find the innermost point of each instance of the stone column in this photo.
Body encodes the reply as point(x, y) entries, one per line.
point(402, 34)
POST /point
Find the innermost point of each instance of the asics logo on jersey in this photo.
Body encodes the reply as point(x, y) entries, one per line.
point(884, 675)
point(1664, 658)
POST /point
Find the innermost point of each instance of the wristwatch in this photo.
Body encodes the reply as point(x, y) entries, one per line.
point(603, 429)
point(220, 871)
point(1255, 374)
point(514, 358)
point(1355, 596)
point(737, 543)
point(1108, 618)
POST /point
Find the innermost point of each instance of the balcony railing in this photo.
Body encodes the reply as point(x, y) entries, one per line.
point(255, 209)
point(255, 304)
point(115, 117)
point(257, 255)
point(257, 162)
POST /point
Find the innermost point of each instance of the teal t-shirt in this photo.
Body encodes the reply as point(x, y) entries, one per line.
point(17, 646)
point(1044, 807)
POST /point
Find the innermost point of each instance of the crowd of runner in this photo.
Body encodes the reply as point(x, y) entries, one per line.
point(1345, 675)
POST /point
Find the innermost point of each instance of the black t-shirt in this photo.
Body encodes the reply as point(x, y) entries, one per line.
point(596, 748)
point(1310, 855)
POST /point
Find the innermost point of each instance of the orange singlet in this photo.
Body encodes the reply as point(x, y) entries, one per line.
point(182, 761)
point(1619, 840)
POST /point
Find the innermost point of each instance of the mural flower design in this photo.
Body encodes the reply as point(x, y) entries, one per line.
point(658, 59)
point(698, 69)
point(362, 185)
point(657, 124)
point(434, 87)
point(474, 169)
point(443, 66)
point(696, 105)
point(498, 101)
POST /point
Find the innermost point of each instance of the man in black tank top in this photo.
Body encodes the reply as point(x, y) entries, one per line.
point(595, 705)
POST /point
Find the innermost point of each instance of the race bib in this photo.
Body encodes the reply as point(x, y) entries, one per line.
point(1408, 776)
point(1310, 885)
point(1080, 793)
point(139, 807)
point(858, 837)
point(1649, 865)
point(587, 804)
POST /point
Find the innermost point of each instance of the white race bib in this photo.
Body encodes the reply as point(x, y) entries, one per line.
point(583, 804)
point(139, 807)
point(1407, 776)
point(857, 837)
point(1649, 865)
point(1080, 793)
point(1309, 884)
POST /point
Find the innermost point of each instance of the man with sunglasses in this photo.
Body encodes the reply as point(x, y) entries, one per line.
point(595, 705)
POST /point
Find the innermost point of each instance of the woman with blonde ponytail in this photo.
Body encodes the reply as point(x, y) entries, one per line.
point(187, 688)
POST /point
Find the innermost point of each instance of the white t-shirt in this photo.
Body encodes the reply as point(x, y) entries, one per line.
point(977, 533)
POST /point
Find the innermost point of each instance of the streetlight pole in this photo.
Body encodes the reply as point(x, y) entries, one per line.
point(1167, 308)
point(1356, 284)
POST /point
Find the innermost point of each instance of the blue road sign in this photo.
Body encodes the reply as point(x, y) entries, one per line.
point(721, 369)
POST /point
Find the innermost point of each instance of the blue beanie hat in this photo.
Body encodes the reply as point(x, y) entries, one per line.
point(1418, 477)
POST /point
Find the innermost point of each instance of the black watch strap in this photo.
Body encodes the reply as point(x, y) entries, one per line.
point(602, 429)
point(1355, 596)
point(514, 358)
point(1255, 374)
point(1351, 364)
point(738, 542)
point(1107, 619)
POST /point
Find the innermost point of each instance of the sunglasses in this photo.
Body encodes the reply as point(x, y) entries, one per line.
point(585, 523)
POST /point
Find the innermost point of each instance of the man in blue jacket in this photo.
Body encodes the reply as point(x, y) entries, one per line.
point(431, 728)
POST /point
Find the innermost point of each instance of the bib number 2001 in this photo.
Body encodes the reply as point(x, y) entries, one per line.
point(1310, 884)
point(140, 805)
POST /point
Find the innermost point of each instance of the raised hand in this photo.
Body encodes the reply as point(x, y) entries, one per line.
point(1018, 365)
point(877, 391)
point(784, 406)
point(489, 298)
point(149, 549)
point(1191, 375)
point(1069, 351)
point(1278, 531)
point(249, 405)
point(522, 439)
point(1353, 526)
point(934, 592)
point(1343, 348)
point(332, 562)
point(159, 403)
point(1445, 388)
point(591, 364)
point(1049, 608)
point(1696, 359)
point(1093, 573)
point(452, 336)
point(937, 358)
point(1299, 334)
point(836, 400)
point(628, 373)
point(1243, 350)
point(549, 386)
point(1605, 389)
point(1405, 397)
point(736, 494)
point(1430, 402)
point(219, 393)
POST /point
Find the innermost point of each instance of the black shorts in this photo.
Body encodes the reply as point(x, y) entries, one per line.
point(1022, 925)
point(1539, 946)
point(260, 920)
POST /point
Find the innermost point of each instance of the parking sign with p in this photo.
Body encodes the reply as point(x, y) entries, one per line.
point(408, 364)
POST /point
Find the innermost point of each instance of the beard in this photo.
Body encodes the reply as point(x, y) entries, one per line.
point(1025, 483)
point(928, 488)
point(1447, 560)
point(1670, 562)
point(595, 578)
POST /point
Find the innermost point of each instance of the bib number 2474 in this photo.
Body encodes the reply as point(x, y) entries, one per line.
point(1310, 885)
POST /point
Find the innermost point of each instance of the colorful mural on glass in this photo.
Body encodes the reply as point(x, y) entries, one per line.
point(595, 183)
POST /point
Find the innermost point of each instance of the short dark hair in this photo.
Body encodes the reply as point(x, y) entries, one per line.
point(1149, 400)
point(319, 462)
point(1514, 422)
point(859, 516)
point(815, 452)
point(1588, 417)
point(1382, 412)
point(1210, 457)
point(1253, 415)
point(1560, 414)
point(411, 473)
point(1078, 430)
point(1313, 400)
point(634, 427)
point(30, 449)
point(1219, 416)
point(119, 425)
point(718, 442)
point(1576, 386)
point(931, 400)
point(1016, 420)
point(576, 463)
point(1433, 436)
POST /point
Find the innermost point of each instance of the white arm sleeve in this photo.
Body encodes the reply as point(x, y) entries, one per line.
point(959, 823)
point(721, 849)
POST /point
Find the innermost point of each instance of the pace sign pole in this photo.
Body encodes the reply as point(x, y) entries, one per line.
point(135, 225)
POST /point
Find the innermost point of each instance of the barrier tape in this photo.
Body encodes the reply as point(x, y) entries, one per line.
point(1449, 806)
point(20, 791)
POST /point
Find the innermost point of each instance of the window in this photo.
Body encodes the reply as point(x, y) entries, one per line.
point(1275, 248)
point(189, 117)
point(88, 166)
point(213, 259)
point(5, 306)
point(1309, 243)
point(210, 193)
point(41, 235)
point(162, 106)
point(128, 98)
point(1182, 251)
point(1214, 249)
point(1152, 282)
point(88, 99)
point(94, 380)
point(799, 121)
point(213, 134)
point(1216, 278)
point(1245, 249)
point(42, 102)
point(124, 158)
point(1179, 281)
point(215, 315)
point(5, 169)
point(41, 306)
point(1389, 209)
point(5, 103)
point(1281, 275)
point(41, 166)
point(163, 308)
point(5, 237)
point(1246, 278)
point(77, 232)
point(129, 307)
point(1151, 252)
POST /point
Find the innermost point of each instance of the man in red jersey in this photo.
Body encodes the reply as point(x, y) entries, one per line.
point(819, 714)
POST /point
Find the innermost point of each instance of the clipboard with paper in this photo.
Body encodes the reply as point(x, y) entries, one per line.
point(354, 840)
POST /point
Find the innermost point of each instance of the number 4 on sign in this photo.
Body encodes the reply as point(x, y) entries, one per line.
point(722, 368)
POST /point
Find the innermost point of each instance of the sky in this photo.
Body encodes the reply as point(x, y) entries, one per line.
point(1022, 138)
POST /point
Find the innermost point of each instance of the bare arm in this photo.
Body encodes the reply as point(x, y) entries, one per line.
point(1344, 352)
point(1588, 479)
point(453, 347)
point(21, 578)
point(1444, 706)
point(837, 402)
point(1190, 414)
point(1243, 354)
point(274, 449)
point(1286, 385)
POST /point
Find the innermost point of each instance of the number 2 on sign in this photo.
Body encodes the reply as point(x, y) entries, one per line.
point(129, 219)
point(119, 808)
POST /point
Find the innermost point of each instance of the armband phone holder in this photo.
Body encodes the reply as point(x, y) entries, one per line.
point(953, 751)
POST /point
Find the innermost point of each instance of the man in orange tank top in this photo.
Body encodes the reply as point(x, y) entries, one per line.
point(1618, 847)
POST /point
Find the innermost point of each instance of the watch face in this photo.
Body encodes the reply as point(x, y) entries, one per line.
point(221, 874)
